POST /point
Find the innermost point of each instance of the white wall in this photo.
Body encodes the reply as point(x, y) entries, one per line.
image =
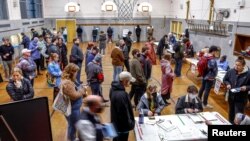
point(199, 9)
point(14, 12)
point(92, 8)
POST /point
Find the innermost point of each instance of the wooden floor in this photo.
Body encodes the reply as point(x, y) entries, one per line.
point(58, 122)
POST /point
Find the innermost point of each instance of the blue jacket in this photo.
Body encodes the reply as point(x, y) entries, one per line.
point(145, 107)
point(55, 71)
point(26, 41)
point(172, 40)
point(28, 67)
point(90, 58)
point(212, 70)
point(35, 52)
point(223, 65)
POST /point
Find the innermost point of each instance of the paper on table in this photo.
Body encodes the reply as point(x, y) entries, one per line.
point(196, 118)
point(208, 116)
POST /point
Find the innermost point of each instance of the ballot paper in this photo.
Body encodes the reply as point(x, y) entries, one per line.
point(196, 118)
point(208, 116)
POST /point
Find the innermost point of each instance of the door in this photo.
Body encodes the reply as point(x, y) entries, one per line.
point(70, 25)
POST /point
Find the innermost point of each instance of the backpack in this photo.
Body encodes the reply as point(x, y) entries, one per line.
point(202, 65)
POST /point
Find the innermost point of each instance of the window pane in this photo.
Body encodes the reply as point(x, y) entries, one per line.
point(33, 9)
point(3, 9)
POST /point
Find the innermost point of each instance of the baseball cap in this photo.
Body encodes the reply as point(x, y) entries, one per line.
point(25, 50)
point(126, 75)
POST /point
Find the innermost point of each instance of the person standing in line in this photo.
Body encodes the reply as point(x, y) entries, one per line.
point(35, 54)
point(125, 54)
point(110, 34)
point(167, 78)
point(102, 44)
point(77, 53)
point(26, 40)
point(34, 33)
point(79, 32)
point(129, 41)
point(65, 34)
point(209, 76)
point(117, 62)
point(43, 50)
point(95, 76)
point(94, 33)
point(146, 63)
point(55, 72)
point(6, 53)
point(237, 81)
point(19, 88)
point(122, 115)
point(27, 65)
point(139, 86)
point(178, 57)
point(71, 88)
point(63, 53)
point(138, 33)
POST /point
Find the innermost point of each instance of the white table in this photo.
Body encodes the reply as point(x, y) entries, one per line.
point(176, 127)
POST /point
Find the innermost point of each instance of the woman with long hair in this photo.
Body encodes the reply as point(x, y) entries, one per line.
point(75, 92)
point(54, 72)
point(19, 88)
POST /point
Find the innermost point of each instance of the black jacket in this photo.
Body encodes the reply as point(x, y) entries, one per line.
point(128, 41)
point(184, 102)
point(122, 115)
point(162, 44)
point(63, 53)
point(4, 49)
point(236, 81)
point(25, 92)
point(146, 65)
point(76, 51)
point(138, 31)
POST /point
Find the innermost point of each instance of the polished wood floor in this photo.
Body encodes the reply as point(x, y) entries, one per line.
point(58, 121)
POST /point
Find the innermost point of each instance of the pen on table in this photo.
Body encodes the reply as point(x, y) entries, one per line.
point(180, 119)
point(170, 121)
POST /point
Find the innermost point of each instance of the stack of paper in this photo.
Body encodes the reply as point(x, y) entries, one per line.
point(208, 116)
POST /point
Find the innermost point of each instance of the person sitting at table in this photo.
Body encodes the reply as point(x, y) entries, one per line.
point(223, 63)
point(189, 103)
point(151, 102)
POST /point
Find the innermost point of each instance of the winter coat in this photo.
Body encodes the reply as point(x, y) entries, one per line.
point(4, 49)
point(102, 39)
point(76, 51)
point(28, 67)
point(26, 41)
point(55, 71)
point(184, 102)
point(92, 71)
point(122, 115)
point(117, 57)
point(137, 72)
point(146, 66)
point(125, 52)
point(167, 77)
point(63, 51)
point(145, 107)
point(24, 92)
point(237, 81)
point(151, 53)
point(212, 69)
point(35, 52)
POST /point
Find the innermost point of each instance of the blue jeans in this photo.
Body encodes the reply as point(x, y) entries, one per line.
point(78, 76)
point(178, 66)
point(96, 88)
point(205, 86)
point(117, 71)
point(94, 38)
point(72, 119)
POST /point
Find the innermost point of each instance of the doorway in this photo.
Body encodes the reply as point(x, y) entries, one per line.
point(70, 25)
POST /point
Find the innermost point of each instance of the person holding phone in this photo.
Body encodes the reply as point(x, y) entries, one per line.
point(237, 81)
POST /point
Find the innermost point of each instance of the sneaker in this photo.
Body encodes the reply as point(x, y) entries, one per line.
point(208, 106)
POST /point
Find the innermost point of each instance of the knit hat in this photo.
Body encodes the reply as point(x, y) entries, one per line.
point(98, 58)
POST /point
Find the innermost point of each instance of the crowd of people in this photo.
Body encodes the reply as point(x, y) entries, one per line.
point(49, 51)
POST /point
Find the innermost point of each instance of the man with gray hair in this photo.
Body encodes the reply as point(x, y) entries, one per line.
point(122, 115)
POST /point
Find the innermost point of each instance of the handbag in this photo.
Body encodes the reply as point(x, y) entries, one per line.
point(51, 81)
point(62, 103)
point(72, 59)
